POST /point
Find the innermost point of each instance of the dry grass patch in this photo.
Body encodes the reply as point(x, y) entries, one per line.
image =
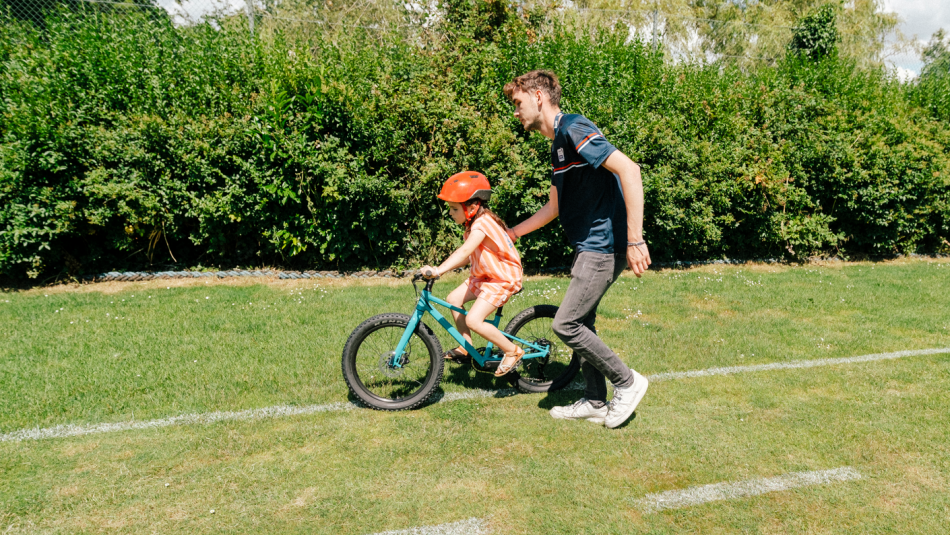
point(116, 287)
point(302, 499)
point(73, 449)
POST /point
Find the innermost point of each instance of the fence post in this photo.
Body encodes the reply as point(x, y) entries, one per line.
point(249, 9)
point(654, 27)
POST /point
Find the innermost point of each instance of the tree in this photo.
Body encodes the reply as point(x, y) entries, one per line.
point(933, 86)
point(764, 28)
point(744, 31)
point(816, 36)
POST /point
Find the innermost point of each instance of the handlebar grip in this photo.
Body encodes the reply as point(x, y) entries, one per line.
point(429, 274)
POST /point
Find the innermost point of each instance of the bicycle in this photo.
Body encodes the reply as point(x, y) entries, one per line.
point(394, 361)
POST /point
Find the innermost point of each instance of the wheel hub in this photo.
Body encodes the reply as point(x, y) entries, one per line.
point(545, 343)
point(388, 368)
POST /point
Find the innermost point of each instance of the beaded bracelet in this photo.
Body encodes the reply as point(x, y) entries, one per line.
point(635, 244)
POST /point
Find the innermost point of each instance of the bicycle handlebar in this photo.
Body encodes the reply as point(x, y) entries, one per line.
point(425, 275)
point(422, 277)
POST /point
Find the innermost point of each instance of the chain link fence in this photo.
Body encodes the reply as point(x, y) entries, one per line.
point(682, 34)
point(679, 29)
point(384, 15)
point(182, 12)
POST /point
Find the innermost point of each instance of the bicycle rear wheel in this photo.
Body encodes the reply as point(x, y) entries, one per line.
point(549, 373)
point(368, 363)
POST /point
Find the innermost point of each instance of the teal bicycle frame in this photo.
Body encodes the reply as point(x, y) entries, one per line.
point(426, 299)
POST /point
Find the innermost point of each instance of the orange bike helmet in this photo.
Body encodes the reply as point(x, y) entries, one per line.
point(466, 186)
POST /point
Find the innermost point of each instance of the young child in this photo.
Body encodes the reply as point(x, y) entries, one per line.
point(496, 265)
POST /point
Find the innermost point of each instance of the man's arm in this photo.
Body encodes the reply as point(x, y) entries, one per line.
point(542, 217)
point(638, 257)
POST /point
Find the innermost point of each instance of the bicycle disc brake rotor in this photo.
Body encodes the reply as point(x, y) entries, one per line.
point(386, 364)
point(546, 344)
point(536, 365)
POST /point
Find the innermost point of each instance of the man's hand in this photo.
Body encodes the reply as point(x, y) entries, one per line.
point(638, 259)
point(512, 235)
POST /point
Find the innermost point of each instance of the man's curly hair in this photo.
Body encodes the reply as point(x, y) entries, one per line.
point(545, 81)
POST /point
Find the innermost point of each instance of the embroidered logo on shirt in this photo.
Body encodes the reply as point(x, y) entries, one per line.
point(560, 155)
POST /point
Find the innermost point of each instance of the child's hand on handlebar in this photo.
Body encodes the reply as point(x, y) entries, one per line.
point(430, 272)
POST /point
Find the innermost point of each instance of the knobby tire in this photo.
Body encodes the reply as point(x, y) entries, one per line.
point(543, 375)
point(384, 387)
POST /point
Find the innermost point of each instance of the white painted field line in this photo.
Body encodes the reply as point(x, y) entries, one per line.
point(796, 364)
point(676, 499)
point(472, 526)
point(71, 430)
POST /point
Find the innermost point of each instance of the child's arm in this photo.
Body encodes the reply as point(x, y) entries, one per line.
point(461, 255)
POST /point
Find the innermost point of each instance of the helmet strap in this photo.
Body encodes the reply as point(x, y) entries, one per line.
point(469, 216)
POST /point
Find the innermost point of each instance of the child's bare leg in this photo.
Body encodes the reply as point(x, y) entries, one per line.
point(476, 322)
point(459, 297)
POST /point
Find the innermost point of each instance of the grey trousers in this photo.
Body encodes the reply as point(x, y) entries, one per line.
point(591, 276)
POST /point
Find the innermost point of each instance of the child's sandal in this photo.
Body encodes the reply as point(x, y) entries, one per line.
point(505, 368)
point(456, 355)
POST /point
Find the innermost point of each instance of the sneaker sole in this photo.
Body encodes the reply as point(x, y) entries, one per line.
point(633, 406)
point(599, 420)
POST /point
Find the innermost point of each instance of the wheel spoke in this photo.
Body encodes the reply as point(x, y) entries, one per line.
point(374, 364)
point(552, 371)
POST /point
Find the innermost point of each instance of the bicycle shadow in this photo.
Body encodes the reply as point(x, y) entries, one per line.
point(466, 375)
point(473, 380)
point(475, 383)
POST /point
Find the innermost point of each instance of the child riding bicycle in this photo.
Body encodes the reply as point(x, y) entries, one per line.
point(496, 266)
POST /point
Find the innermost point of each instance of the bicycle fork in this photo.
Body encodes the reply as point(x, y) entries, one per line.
point(396, 360)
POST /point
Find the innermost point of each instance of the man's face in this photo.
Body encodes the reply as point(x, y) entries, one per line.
point(527, 109)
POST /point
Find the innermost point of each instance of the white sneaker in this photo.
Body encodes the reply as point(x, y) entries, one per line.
point(580, 410)
point(625, 401)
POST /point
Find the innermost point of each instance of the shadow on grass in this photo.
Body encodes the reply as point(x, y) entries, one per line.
point(559, 398)
point(469, 378)
point(465, 375)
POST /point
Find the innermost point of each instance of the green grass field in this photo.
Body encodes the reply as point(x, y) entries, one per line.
point(120, 352)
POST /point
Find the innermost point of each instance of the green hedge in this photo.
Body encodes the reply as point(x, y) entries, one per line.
point(125, 140)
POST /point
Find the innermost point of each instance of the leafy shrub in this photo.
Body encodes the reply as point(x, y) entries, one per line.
point(125, 141)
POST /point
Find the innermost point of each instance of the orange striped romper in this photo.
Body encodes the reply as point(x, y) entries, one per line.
point(495, 275)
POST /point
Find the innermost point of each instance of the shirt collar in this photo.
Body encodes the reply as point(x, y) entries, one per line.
point(557, 120)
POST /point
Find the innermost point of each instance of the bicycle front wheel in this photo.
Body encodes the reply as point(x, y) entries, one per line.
point(549, 373)
point(373, 376)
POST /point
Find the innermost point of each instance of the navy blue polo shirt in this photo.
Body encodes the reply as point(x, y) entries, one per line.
point(589, 198)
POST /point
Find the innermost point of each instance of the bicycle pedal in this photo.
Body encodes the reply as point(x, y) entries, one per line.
point(489, 366)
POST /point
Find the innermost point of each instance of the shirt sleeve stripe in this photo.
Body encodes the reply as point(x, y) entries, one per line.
point(568, 168)
point(587, 140)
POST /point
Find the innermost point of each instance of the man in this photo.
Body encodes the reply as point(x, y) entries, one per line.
point(597, 193)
